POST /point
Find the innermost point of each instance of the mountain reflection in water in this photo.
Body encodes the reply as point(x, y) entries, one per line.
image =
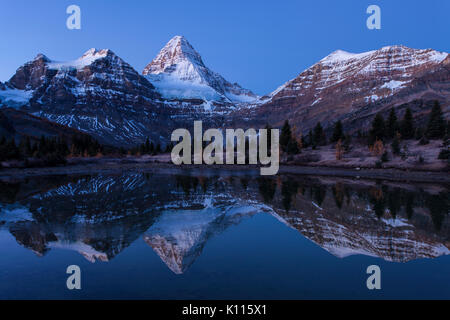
point(100, 216)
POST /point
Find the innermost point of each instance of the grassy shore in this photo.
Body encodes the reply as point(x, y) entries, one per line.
point(161, 163)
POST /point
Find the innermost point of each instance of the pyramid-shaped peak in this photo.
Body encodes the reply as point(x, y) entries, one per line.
point(178, 39)
point(179, 44)
point(41, 56)
point(179, 72)
point(93, 52)
point(177, 51)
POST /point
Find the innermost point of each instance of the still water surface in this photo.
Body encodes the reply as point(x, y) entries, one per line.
point(211, 236)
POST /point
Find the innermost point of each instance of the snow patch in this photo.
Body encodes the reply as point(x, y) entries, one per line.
point(394, 84)
point(15, 97)
point(88, 58)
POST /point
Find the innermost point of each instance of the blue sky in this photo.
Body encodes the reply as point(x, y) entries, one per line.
point(259, 44)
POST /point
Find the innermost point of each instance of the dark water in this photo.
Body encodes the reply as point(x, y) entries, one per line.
point(176, 236)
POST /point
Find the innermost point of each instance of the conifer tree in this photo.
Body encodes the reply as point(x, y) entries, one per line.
point(377, 132)
point(12, 152)
point(285, 136)
point(28, 149)
point(407, 126)
point(142, 149)
point(391, 125)
point(42, 148)
point(338, 133)
point(319, 135)
point(151, 149)
point(147, 146)
point(292, 147)
point(169, 147)
point(436, 125)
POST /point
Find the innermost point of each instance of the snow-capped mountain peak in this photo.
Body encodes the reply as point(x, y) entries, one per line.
point(347, 86)
point(178, 72)
point(41, 56)
point(85, 60)
point(176, 52)
point(340, 66)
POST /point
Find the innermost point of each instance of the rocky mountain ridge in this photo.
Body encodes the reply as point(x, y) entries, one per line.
point(396, 223)
point(100, 94)
point(354, 87)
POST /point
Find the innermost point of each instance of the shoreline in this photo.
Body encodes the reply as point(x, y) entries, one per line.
point(118, 167)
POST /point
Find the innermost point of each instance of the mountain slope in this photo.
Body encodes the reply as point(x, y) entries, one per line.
point(177, 216)
point(353, 87)
point(18, 124)
point(178, 72)
point(98, 93)
point(102, 95)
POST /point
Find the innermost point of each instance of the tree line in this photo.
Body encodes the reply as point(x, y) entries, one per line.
point(56, 149)
point(148, 148)
point(50, 150)
point(381, 131)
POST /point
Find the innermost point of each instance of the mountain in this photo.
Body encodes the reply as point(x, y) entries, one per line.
point(19, 124)
point(178, 236)
point(101, 94)
point(102, 215)
point(356, 220)
point(353, 87)
point(179, 74)
point(98, 93)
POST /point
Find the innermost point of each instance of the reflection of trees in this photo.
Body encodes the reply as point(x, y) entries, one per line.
point(439, 207)
point(394, 203)
point(395, 198)
point(318, 193)
point(9, 191)
point(409, 202)
point(147, 176)
point(112, 214)
point(244, 183)
point(288, 189)
point(187, 183)
point(338, 194)
point(12, 191)
point(203, 183)
point(267, 188)
point(377, 200)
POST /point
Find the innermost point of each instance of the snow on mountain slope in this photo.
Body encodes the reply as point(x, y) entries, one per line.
point(15, 98)
point(178, 236)
point(178, 72)
point(98, 93)
point(85, 60)
point(102, 95)
point(354, 86)
point(397, 62)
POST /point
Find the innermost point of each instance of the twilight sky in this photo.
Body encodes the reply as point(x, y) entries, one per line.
point(259, 44)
